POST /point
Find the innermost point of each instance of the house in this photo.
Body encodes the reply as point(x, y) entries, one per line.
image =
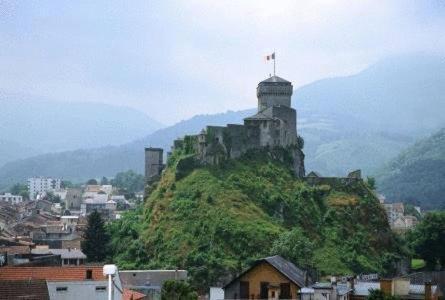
point(35, 289)
point(69, 257)
point(327, 291)
point(399, 287)
point(73, 199)
point(149, 282)
point(42, 185)
point(68, 283)
point(13, 199)
point(269, 278)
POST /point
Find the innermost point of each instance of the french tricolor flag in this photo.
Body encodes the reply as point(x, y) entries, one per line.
point(270, 57)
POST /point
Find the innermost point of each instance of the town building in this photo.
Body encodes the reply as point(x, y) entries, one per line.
point(69, 257)
point(149, 282)
point(269, 278)
point(67, 283)
point(13, 199)
point(73, 199)
point(42, 185)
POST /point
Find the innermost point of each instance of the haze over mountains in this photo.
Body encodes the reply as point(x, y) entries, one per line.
point(31, 125)
point(360, 121)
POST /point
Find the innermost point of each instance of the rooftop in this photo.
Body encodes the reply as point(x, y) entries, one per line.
point(275, 79)
point(64, 253)
point(24, 289)
point(68, 273)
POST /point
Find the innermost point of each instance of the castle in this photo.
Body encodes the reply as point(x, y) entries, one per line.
point(274, 125)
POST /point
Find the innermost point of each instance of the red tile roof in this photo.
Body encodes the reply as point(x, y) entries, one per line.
point(23, 289)
point(69, 273)
point(132, 295)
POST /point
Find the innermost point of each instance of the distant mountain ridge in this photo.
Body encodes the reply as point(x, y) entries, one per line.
point(43, 126)
point(347, 122)
point(417, 175)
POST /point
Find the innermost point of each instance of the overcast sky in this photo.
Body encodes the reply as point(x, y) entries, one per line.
point(175, 59)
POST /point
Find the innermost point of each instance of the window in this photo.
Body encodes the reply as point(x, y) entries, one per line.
point(61, 289)
point(89, 274)
point(101, 288)
point(65, 261)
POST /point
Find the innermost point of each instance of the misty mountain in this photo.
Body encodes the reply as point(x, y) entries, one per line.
point(416, 175)
point(39, 125)
point(353, 122)
point(403, 94)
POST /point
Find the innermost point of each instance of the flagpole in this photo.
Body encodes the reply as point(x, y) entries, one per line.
point(274, 67)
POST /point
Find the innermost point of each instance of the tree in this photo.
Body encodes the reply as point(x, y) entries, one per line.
point(51, 197)
point(296, 247)
point(129, 181)
point(377, 294)
point(96, 238)
point(177, 290)
point(427, 239)
point(104, 181)
point(92, 182)
point(20, 189)
point(370, 182)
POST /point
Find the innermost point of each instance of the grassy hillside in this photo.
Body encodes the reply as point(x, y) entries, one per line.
point(416, 175)
point(214, 221)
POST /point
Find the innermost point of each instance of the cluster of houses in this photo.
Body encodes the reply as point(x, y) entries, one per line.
point(270, 278)
point(398, 218)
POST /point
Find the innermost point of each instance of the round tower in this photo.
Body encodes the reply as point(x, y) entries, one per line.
point(274, 91)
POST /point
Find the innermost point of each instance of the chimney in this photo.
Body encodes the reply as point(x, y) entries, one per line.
point(428, 292)
point(386, 286)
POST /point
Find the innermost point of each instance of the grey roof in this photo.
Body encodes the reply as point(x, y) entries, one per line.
point(64, 253)
point(288, 269)
point(153, 279)
point(275, 79)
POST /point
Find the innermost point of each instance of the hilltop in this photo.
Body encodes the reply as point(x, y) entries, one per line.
point(416, 175)
point(214, 221)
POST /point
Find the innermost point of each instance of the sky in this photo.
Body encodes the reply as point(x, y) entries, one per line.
point(175, 59)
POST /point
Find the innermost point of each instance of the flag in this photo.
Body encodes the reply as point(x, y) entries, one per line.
point(270, 57)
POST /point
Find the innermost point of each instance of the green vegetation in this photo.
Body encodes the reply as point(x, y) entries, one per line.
point(128, 182)
point(416, 175)
point(417, 263)
point(376, 294)
point(427, 240)
point(96, 238)
point(20, 189)
point(215, 221)
point(177, 290)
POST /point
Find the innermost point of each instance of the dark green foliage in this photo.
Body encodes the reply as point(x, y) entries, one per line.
point(128, 182)
point(428, 239)
point(96, 238)
point(52, 198)
point(20, 189)
point(126, 247)
point(416, 175)
point(370, 182)
point(177, 290)
point(185, 165)
point(295, 246)
point(376, 294)
point(92, 182)
point(104, 181)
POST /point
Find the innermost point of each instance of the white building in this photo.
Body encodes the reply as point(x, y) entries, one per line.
point(42, 185)
point(13, 199)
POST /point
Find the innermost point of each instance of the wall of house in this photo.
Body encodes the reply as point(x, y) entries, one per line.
point(81, 290)
point(261, 273)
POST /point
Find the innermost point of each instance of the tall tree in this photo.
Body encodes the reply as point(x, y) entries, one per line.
point(20, 189)
point(104, 181)
point(427, 239)
point(177, 290)
point(96, 238)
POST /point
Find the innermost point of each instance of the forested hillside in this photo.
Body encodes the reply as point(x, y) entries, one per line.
point(416, 175)
point(214, 221)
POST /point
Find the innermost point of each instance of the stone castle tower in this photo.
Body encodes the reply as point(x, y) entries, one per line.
point(274, 125)
point(154, 163)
